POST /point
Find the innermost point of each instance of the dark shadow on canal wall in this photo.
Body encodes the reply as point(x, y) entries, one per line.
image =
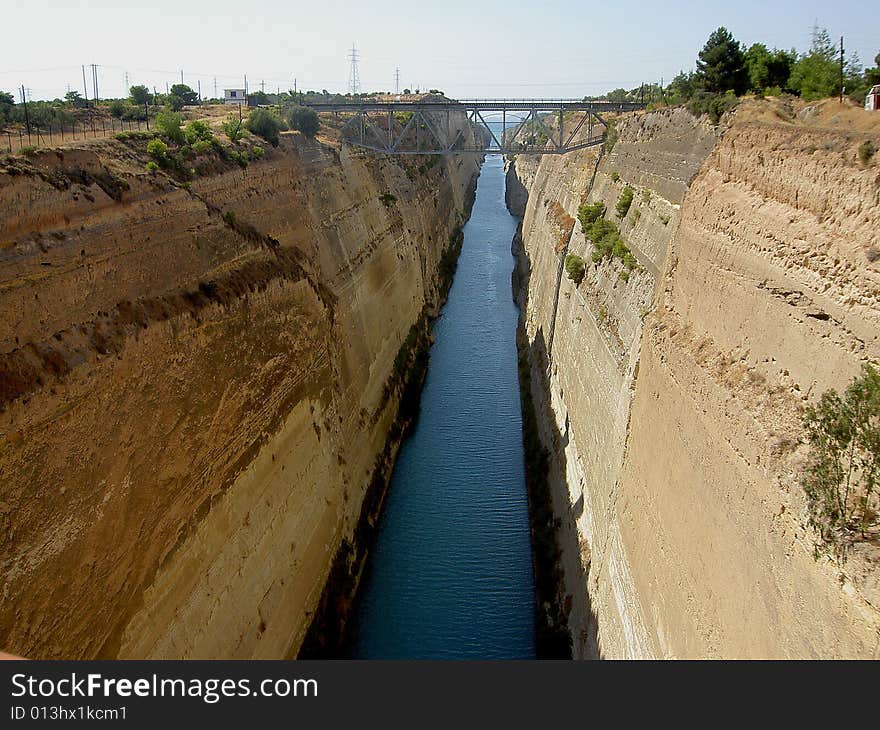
point(552, 516)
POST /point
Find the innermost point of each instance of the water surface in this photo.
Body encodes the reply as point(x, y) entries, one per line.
point(450, 574)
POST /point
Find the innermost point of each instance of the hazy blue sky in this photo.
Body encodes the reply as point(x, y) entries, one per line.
point(467, 48)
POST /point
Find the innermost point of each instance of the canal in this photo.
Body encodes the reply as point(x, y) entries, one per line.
point(450, 573)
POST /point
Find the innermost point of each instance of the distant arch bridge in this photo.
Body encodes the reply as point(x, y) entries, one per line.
point(509, 126)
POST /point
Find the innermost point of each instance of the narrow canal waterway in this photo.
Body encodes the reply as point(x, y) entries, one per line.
point(450, 574)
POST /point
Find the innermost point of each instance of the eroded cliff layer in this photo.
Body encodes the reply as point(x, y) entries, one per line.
point(671, 393)
point(198, 382)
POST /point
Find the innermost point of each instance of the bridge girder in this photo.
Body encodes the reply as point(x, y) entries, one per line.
point(426, 126)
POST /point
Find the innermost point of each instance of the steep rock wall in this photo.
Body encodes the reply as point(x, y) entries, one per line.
point(196, 387)
point(671, 400)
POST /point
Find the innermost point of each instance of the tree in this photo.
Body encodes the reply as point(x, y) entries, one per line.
point(139, 95)
point(72, 98)
point(816, 74)
point(7, 107)
point(681, 88)
point(843, 471)
point(617, 95)
point(721, 64)
point(304, 120)
point(183, 91)
point(872, 75)
point(266, 124)
point(175, 102)
point(117, 107)
point(768, 69)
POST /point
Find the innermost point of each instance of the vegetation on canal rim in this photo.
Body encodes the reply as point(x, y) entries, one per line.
point(842, 479)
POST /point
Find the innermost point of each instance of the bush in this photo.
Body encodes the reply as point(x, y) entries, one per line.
point(387, 199)
point(866, 151)
point(844, 469)
point(116, 108)
point(624, 202)
point(715, 105)
point(168, 124)
point(304, 120)
point(202, 147)
point(265, 124)
point(197, 131)
point(152, 166)
point(157, 149)
point(589, 214)
point(615, 176)
point(258, 151)
point(233, 128)
point(574, 268)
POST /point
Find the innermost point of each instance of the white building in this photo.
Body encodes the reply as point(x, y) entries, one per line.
point(872, 100)
point(235, 96)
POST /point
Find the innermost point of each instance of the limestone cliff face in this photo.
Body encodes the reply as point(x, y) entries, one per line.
point(670, 401)
point(196, 385)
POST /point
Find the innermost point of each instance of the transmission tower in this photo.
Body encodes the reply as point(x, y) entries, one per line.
point(354, 79)
point(397, 81)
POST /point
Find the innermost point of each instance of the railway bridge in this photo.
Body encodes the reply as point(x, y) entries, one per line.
point(505, 126)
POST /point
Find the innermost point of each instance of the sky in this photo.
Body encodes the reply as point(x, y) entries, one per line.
point(549, 48)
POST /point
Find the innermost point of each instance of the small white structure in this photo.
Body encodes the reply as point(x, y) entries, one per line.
point(872, 100)
point(235, 96)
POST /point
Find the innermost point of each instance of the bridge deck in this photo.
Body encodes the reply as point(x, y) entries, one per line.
point(498, 105)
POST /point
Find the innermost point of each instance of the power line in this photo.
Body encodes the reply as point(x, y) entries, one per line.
point(354, 79)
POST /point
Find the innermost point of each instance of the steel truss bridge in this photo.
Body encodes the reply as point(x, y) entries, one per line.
point(500, 126)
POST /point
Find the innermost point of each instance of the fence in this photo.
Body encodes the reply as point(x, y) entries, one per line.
point(14, 140)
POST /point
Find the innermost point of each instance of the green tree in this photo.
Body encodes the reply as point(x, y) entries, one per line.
point(73, 98)
point(117, 107)
point(183, 91)
point(617, 95)
point(841, 480)
point(721, 64)
point(872, 75)
point(174, 102)
point(264, 123)
point(7, 107)
point(681, 88)
point(768, 69)
point(816, 74)
point(139, 95)
point(304, 120)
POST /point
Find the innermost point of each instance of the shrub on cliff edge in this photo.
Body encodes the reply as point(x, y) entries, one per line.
point(843, 472)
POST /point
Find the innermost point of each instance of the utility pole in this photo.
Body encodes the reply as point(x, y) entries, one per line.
point(262, 86)
point(127, 87)
point(841, 69)
point(27, 119)
point(181, 76)
point(200, 91)
point(95, 82)
point(85, 88)
point(215, 88)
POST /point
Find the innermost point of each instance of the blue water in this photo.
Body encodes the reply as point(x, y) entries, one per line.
point(450, 574)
